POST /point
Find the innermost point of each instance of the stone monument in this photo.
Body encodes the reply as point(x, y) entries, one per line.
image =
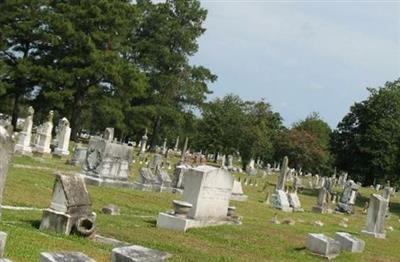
point(63, 139)
point(43, 136)
point(23, 145)
point(6, 150)
point(143, 143)
point(279, 198)
point(375, 224)
point(348, 198)
point(205, 200)
point(324, 246)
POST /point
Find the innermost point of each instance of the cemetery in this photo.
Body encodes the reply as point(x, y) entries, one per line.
point(114, 148)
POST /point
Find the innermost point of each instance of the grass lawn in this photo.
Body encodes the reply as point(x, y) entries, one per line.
point(255, 240)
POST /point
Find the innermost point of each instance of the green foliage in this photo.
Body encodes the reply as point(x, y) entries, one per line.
point(307, 145)
point(367, 140)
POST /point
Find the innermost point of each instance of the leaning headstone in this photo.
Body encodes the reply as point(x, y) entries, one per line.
point(6, 151)
point(294, 202)
point(64, 257)
point(349, 242)
point(279, 198)
point(322, 202)
point(43, 134)
point(108, 134)
point(143, 143)
point(63, 139)
point(324, 246)
point(70, 207)
point(348, 198)
point(137, 254)
point(375, 224)
point(205, 200)
point(23, 145)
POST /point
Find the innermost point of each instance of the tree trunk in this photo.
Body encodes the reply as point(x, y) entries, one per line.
point(75, 116)
point(15, 112)
point(156, 132)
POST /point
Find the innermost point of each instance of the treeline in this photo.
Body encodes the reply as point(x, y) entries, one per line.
point(125, 64)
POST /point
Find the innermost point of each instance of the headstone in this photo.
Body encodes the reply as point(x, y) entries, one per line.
point(250, 169)
point(324, 246)
point(107, 160)
point(207, 190)
point(185, 146)
point(137, 254)
point(6, 151)
point(223, 160)
point(164, 147)
point(348, 198)
point(230, 162)
point(108, 134)
point(23, 145)
point(282, 176)
point(177, 181)
point(43, 134)
point(322, 202)
point(279, 198)
point(70, 207)
point(63, 139)
point(79, 156)
point(375, 224)
point(143, 143)
point(64, 257)
point(349, 242)
point(294, 202)
point(237, 192)
point(176, 144)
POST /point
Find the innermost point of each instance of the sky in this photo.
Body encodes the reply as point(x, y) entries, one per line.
point(301, 56)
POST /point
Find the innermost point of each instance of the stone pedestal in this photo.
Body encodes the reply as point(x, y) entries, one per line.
point(59, 222)
point(137, 254)
point(349, 242)
point(64, 257)
point(324, 246)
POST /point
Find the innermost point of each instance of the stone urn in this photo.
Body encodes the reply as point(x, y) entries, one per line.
point(231, 211)
point(181, 208)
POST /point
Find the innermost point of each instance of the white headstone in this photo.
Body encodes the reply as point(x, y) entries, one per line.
point(23, 145)
point(63, 139)
point(375, 224)
point(44, 135)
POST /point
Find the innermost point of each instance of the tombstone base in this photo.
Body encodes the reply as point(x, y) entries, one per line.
point(64, 256)
point(61, 154)
point(322, 210)
point(23, 150)
point(237, 197)
point(42, 154)
point(374, 234)
point(169, 221)
point(137, 253)
point(59, 222)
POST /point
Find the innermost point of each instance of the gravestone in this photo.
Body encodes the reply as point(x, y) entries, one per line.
point(6, 151)
point(348, 198)
point(324, 246)
point(106, 161)
point(349, 243)
point(250, 169)
point(64, 257)
point(176, 144)
point(294, 202)
point(79, 156)
point(143, 143)
point(237, 192)
point(207, 193)
point(70, 207)
point(375, 224)
point(230, 162)
point(137, 254)
point(63, 139)
point(23, 145)
point(43, 136)
point(108, 134)
point(177, 180)
point(279, 198)
point(164, 147)
point(322, 202)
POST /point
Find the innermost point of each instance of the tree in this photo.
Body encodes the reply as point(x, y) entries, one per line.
point(307, 145)
point(21, 33)
point(162, 45)
point(84, 60)
point(367, 141)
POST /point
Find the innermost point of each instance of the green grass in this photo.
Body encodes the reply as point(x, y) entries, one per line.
point(255, 240)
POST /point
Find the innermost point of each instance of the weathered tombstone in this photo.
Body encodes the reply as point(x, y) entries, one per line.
point(205, 200)
point(108, 134)
point(294, 202)
point(6, 151)
point(43, 134)
point(237, 192)
point(70, 208)
point(106, 161)
point(143, 143)
point(324, 246)
point(279, 198)
point(177, 180)
point(375, 224)
point(223, 161)
point(387, 192)
point(176, 144)
point(23, 145)
point(164, 147)
point(63, 139)
point(250, 169)
point(230, 162)
point(79, 156)
point(348, 198)
point(183, 155)
point(64, 257)
point(322, 202)
point(137, 254)
point(146, 176)
point(349, 242)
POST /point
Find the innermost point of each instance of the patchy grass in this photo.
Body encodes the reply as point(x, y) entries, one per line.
point(255, 240)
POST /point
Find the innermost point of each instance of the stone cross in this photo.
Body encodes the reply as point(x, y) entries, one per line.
point(283, 172)
point(6, 150)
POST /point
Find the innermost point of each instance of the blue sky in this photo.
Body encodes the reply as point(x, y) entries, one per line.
point(301, 56)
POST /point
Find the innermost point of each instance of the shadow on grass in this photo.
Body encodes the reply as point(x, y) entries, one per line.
point(151, 222)
point(299, 248)
point(34, 223)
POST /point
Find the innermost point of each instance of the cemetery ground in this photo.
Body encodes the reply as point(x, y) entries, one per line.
point(30, 184)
